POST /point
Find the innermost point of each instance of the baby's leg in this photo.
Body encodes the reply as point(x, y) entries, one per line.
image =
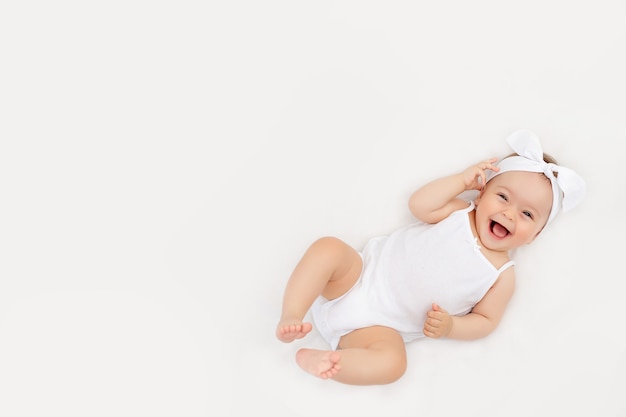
point(329, 267)
point(369, 356)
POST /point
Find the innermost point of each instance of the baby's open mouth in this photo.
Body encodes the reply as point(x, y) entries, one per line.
point(498, 230)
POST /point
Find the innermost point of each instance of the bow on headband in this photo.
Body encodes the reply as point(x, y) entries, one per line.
point(568, 189)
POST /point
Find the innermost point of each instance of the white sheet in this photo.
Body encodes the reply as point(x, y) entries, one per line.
point(164, 166)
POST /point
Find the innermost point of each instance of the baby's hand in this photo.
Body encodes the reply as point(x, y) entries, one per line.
point(472, 174)
point(438, 323)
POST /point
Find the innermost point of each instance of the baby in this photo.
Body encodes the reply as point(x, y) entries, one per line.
point(450, 274)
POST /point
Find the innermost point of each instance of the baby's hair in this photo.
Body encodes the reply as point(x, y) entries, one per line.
point(550, 160)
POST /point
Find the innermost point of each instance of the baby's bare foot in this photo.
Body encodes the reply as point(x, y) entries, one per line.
point(290, 330)
point(321, 363)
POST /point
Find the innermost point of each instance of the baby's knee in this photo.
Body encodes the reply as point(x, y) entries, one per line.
point(396, 367)
point(328, 242)
point(395, 359)
point(328, 246)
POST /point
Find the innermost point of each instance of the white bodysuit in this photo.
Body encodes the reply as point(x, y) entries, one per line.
point(404, 273)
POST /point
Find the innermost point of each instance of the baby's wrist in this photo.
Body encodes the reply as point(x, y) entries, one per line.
point(465, 183)
point(450, 326)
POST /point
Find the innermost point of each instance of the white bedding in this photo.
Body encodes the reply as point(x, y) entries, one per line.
point(163, 168)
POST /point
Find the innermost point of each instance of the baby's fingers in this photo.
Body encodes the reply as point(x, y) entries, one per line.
point(487, 165)
point(490, 165)
point(436, 316)
point(431, 331)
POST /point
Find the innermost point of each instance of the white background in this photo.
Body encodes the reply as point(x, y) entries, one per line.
point(164, 165)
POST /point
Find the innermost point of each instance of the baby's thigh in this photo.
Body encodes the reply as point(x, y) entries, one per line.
point(385, 340)
point(347, 265)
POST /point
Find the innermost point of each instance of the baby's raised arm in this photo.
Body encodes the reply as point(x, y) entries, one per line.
point(436, 200)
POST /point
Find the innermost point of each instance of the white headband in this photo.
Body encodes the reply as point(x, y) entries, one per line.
point(568, 189)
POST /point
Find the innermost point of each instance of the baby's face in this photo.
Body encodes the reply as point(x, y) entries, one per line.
point(512, 209)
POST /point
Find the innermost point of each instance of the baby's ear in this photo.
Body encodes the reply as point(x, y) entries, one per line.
point(480, 194)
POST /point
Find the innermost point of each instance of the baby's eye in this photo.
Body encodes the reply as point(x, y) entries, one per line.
point(503, 196)
point(528, 214)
